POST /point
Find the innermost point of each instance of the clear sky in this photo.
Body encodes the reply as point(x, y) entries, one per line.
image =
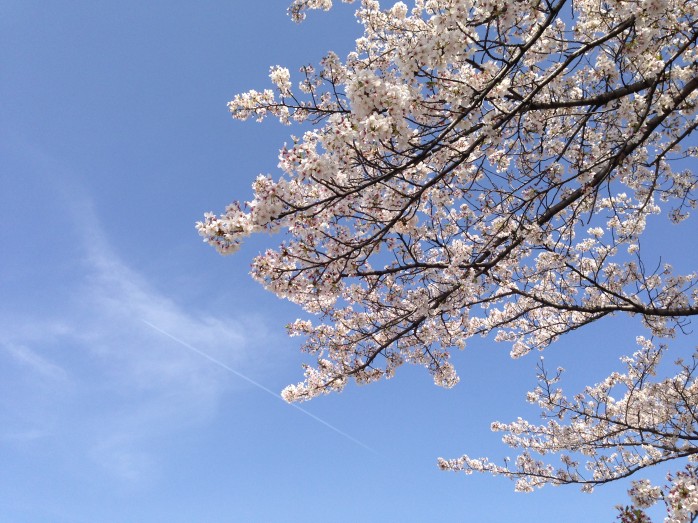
point(139, 370)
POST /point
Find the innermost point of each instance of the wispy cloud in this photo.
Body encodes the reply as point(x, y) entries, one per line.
point(85, 371)
point(92, 372)
point(32, 360)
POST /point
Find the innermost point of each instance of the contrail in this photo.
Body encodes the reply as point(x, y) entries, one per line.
point(258, 385)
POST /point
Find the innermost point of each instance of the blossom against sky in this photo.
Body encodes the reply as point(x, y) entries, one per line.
point(115, 139)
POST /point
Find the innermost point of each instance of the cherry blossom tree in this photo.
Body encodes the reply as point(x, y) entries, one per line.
point(488, 167)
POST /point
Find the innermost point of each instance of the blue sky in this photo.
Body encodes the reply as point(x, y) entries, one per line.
point(115, 139)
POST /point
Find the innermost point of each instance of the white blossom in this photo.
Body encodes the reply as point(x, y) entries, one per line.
point(485, 167)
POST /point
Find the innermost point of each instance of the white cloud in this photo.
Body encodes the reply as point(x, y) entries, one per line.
point(32, 360)
point(95, 375)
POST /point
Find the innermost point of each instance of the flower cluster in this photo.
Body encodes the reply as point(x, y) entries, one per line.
point(613, 429)
point(482, 167)
point(679, 496)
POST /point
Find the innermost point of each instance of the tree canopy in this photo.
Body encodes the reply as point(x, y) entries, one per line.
point(488, 167)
